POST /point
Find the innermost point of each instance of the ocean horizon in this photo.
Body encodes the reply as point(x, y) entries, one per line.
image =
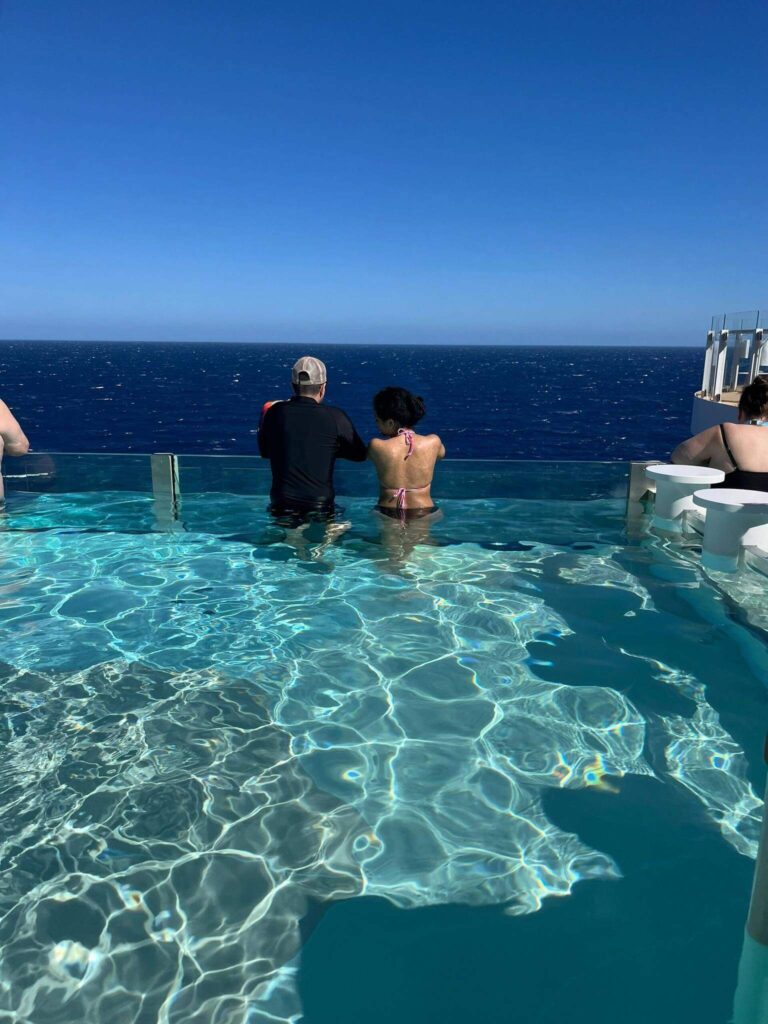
point(308, 345)
point(557, 402)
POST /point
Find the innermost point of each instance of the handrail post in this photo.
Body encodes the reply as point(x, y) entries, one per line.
point(758, 354)
point(718, 366)
point(165, 489)
point(638, 486)
point(706, 380)
point(741, 350)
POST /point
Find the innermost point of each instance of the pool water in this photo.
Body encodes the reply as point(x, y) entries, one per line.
point(250, 774)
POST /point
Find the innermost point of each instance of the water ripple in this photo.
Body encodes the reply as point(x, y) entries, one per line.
point(201, 743)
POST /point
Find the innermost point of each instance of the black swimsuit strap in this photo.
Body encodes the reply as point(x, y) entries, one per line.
point(727, 447)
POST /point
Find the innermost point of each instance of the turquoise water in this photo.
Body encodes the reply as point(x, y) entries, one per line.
point(502, 767)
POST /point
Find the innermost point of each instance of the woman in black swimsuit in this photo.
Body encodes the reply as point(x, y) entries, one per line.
point(739, 449)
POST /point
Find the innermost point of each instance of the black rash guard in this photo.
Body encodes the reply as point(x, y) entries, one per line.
point(302, 440)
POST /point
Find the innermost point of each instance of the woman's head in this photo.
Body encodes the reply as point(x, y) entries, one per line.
point(396, 408)
point(753, 404)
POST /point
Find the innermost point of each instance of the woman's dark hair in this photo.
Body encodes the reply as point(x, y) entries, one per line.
point(399, 405)
point(753, 403)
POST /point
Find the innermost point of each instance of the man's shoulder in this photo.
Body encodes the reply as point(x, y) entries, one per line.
point(335, 411)
point(271, 407)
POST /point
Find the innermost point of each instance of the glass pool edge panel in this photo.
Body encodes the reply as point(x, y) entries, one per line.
point(83, 472)
point(532, 480)
point(77, 472)
point(459, 478)
point(230, 474)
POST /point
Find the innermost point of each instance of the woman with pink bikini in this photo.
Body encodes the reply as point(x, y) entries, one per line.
point(404, 460)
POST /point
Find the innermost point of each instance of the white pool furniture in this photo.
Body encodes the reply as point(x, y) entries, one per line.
point(754, 549)
point(733, 517)
point(675, 487)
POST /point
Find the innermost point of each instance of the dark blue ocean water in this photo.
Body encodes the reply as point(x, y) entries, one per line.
point(485, 402)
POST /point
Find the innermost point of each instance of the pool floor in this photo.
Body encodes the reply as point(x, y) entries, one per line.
point(505, 766)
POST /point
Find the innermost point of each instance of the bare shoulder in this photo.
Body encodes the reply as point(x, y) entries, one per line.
point(436, 444)
point(705, 437)
point(697, 449)
point(6, 416)
point(376, 448)
point(428, 440)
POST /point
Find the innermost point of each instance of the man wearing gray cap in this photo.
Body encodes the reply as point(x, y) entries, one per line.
point(302, 439)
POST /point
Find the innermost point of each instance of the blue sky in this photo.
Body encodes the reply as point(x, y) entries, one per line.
point(381, 172)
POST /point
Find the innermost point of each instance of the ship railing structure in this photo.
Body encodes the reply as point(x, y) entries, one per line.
point(736, 352)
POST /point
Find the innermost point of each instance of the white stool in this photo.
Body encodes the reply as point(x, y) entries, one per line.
point(754, 549)
point(675, 487)
point(732, 515)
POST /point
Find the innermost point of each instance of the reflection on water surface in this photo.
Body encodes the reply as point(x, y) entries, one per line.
point(209, 731)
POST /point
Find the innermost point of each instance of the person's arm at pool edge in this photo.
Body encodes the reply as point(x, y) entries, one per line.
point(13, 440)
point(697, 450)
point(351, 445)
point(264, 436)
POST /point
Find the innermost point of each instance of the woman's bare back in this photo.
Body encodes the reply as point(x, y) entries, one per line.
point(398, 470)
point(748, 444)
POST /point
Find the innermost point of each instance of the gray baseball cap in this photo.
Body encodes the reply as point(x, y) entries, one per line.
point(309, 370)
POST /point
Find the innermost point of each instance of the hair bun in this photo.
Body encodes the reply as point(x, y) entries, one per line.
point(417, 406)
point(399, 405)
point(753, 403)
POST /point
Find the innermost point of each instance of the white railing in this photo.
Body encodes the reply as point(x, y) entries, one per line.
point(736, 352)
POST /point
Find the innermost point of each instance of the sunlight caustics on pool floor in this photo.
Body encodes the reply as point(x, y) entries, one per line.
point(214, 734)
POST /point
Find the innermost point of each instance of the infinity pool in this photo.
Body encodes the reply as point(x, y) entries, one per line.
point(505, 767)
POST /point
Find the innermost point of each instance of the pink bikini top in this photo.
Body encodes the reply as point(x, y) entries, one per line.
point(399, 493)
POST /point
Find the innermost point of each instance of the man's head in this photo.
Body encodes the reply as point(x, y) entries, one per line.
point(309, 378)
